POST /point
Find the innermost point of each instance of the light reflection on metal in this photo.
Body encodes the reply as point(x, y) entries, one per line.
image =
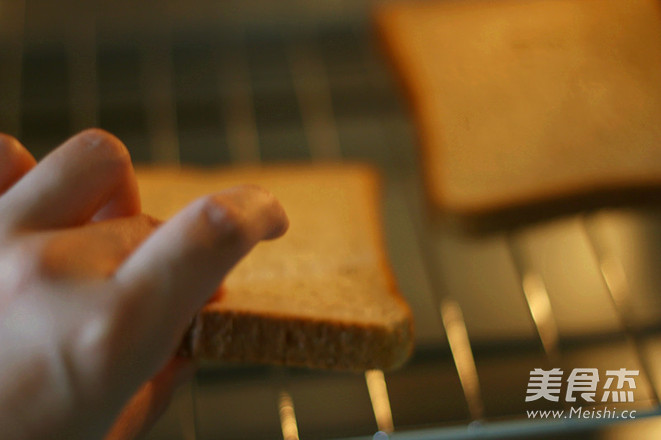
point(540, 309)
point(239, 110)
point(313, 92)
point(616, 279)
point(158, 77)
point(455, 328)
point(287, 417)
point(380, 435)
point(617, 283)
point(376, 386)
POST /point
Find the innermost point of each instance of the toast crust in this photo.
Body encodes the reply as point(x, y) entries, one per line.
point(235, 336)
point(323, 296)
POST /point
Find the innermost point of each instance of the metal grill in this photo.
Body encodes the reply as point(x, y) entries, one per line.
point(579, 291)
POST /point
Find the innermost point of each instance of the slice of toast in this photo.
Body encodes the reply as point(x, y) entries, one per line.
point(321, 296)
point(525, 108)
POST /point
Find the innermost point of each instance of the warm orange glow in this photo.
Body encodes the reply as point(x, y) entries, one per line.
point(616, 279)
point(376, 386)
point(540, 309)
point(287, 417)
point(455, 327)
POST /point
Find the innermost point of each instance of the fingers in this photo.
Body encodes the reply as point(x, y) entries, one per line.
point(15, 161)
point(92, 171)
point(151, 400)
point(95, 250)
point(173, 273)
point(90, 253)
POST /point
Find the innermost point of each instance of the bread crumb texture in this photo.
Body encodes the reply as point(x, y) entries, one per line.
point(321, 296)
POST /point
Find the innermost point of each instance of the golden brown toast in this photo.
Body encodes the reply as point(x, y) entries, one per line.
point(527, 107)
point(321, 296)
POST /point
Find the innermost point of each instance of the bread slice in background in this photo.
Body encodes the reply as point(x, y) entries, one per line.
point(321, 296)
point(530, 107)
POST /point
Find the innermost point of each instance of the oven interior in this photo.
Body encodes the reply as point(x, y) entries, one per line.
point(221, 83)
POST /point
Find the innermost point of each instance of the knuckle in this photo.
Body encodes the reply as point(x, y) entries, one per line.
point(28, 263)
point(41, 260)
point(98, 340)
point(114, 312)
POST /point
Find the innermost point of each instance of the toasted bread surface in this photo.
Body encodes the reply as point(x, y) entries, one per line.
point(520, 102)
point(321, 296)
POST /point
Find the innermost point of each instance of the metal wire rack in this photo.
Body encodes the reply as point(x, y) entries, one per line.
point(579, 291)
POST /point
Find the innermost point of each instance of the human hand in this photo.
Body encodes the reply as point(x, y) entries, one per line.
point(94, 297)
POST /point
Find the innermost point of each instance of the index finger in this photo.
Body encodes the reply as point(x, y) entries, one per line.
point(175, 271)
point(89, 176)
point(15, 161)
